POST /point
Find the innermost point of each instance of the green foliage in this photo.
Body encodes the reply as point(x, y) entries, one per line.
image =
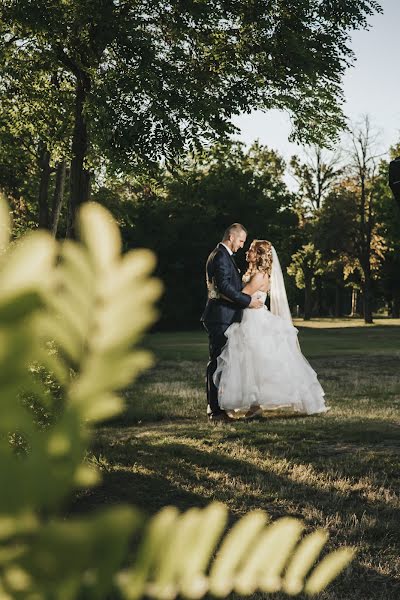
point(165, 77)
point(182, 216)
point(133, 82)
point(254, 555)
point(36, 113)
point(77, 309)
point(306, 265)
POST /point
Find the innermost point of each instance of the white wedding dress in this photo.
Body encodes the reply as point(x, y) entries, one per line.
point(261, 364)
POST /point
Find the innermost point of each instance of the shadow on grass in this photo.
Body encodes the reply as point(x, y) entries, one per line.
point(152, 472)
point(339, 471)
point(167, 469)
point(149, 492)
point(173, 467)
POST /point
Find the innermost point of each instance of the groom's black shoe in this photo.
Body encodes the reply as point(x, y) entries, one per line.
point(220, 417)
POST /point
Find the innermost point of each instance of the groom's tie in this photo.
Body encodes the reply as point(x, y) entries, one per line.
point(234, 261)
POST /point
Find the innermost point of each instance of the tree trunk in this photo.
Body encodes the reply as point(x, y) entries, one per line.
point(360, 304)
point(353, 302)
point(43, 199)
point(396, 308)
point(338, 298)
point(367, 297)
point(307, 298)
point(79, 176)
point(318, 302)
point(58, 195)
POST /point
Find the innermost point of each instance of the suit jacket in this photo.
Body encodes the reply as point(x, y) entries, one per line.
point(223, 278)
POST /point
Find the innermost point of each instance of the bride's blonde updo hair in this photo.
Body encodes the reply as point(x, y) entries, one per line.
point(263, 260)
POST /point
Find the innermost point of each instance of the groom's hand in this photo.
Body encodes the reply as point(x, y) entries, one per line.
point(256, 302)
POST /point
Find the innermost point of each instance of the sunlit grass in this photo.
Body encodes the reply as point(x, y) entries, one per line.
point(339, 471)
point(332, 322)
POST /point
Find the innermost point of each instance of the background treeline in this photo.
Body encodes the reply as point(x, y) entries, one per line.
point(116, 101)
point(338, 236)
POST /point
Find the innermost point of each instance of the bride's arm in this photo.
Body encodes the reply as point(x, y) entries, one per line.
point(258, 281)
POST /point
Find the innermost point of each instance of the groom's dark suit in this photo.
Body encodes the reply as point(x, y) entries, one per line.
point(223, 280)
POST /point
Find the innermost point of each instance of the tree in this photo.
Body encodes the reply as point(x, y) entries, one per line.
point(388, 227)
point(18, 174)
point(306, 265)
point(315, 176)
point(334, 234)
point(35, 113)
point(153, 79)
point(363, 172)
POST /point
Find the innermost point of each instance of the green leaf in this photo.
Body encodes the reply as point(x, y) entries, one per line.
point(18, 307)
point(328, 569)
point(5, 225)
point(100, 407)
point(132, 582)
point(28, 266)
point(100, 235)
point(302, 560)
point(234, 551)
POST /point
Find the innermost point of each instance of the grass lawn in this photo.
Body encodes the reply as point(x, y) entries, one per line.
point(339, 471)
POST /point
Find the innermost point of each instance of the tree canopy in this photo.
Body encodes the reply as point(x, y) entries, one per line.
point(151, 79)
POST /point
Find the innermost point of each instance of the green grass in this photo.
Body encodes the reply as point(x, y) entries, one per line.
point(339, 471)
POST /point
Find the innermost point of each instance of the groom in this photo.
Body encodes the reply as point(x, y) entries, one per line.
point(224, 305)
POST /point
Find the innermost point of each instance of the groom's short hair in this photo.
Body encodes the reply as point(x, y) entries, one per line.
point(235, 227)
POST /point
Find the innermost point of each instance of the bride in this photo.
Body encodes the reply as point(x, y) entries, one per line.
point(261, 367)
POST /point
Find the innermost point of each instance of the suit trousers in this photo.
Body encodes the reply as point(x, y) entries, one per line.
point(216, 341)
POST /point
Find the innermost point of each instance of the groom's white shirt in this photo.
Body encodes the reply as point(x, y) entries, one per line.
point(229, 250)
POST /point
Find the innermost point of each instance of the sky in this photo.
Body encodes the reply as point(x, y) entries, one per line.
point(371, 87)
